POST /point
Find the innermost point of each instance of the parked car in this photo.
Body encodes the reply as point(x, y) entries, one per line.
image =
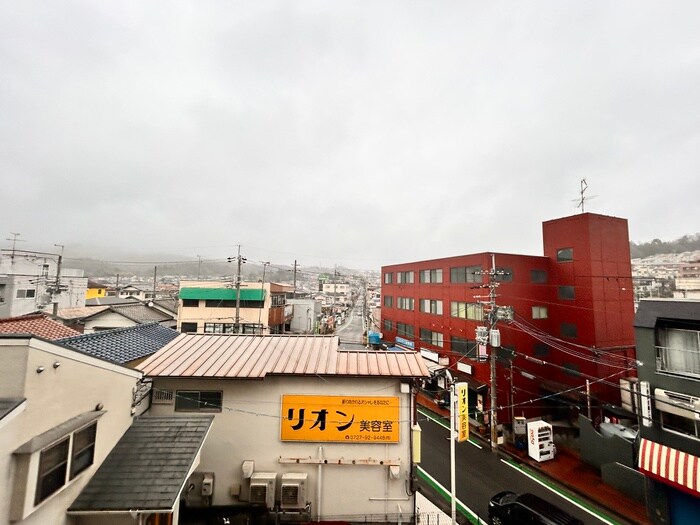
point(510, 508)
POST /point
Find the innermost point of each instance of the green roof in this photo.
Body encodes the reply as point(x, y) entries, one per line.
point(222, 294)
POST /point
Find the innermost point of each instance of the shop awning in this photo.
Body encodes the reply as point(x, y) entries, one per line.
point(222, 294)
point(671, 466)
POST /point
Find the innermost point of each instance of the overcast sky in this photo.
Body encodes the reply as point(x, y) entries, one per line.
point(343, 132)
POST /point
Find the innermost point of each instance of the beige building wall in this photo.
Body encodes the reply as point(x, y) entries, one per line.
point(107, 320)
point(70, 384)
point(248, 428)
point(202, 314)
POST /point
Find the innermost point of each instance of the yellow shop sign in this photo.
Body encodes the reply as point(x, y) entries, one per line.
point(347, 419)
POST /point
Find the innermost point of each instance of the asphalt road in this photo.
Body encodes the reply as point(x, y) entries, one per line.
point(479, 474)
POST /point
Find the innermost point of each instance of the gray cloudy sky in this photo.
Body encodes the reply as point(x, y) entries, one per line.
point(344, 132)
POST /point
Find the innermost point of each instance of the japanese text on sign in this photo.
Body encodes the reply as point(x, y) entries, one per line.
point(340, 419)
point(462, 391)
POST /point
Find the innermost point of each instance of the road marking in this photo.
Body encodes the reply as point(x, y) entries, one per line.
point(461, 507)
point(534, 478)
point(445, 426)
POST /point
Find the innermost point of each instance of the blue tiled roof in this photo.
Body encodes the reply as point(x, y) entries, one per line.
point(123, 345)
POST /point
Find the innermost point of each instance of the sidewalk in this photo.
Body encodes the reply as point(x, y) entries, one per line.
point(569, 471)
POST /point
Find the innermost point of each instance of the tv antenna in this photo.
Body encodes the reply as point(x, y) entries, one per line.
point(582, 200)
point(14, 243)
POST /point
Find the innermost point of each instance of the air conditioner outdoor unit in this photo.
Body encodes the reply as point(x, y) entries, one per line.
point(293, 491)
point(262, 488)
point(676, 403)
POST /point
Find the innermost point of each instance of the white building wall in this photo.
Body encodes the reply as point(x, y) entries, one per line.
point(248, 428)
point(107, 320)
point(304, 316)
point(77, 385)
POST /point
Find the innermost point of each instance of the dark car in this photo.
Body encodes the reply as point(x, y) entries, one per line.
point(510, 508)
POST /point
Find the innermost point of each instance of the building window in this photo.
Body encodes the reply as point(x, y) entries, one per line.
point(678, 351)
point(463, 346)
point(539, 312)
point(72, 455)
point(188, 328)
point(538, 276)
point(431, 276)
point(566, 293)
point(404, 303)
point(26, 294)
point(404, 330)
point(540, 350)
point(569, 330)
point(388, 278)
point(388, 325)
point(466, 274)
point(404, 277)
point(219, 328)
point(388, 301)
point(190, 303)
point(679, 424)
point(53, 465)
point(198, 401)
point(503, 275)
point(430, 337)
point(220, 303)
point(431, 306)
point(252, 328)
point(565, 254)
point(83, 453)
point(276, 300)
point(472, 311)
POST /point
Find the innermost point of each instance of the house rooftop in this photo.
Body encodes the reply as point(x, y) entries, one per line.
point(257, 356)
point(148, 467)
point(38, 325)
point(123, 345)
point(650, 310)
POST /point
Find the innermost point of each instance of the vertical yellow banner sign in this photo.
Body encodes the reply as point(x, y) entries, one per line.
point(462, 392)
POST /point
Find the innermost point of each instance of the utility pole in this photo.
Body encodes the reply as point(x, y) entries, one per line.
point(240, 260)
point(199, 265)
point(58, 279)
point(492, 337)
point(262, 289)
point(155, 276)
point(294, 295)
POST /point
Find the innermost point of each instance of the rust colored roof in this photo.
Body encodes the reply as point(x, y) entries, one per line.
point(256, 356)
point(80, 312)
point(39, 325)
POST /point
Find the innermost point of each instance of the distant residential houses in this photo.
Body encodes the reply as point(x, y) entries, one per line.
point(667, 276)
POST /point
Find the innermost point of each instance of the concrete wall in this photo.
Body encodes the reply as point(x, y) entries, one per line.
point(248, 428)
point(598, 450)
point(77, 385)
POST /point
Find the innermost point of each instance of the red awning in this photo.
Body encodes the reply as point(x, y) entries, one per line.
point(680, 469)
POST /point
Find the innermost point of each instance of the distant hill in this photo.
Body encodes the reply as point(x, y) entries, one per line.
point(687, 243)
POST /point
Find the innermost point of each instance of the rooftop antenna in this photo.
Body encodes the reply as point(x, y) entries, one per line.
point(14, 243)
point(582, 200)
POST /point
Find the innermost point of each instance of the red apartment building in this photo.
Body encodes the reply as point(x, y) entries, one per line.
point(573, 318)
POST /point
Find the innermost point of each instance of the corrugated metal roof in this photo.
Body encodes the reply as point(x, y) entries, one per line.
point(256, 356)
